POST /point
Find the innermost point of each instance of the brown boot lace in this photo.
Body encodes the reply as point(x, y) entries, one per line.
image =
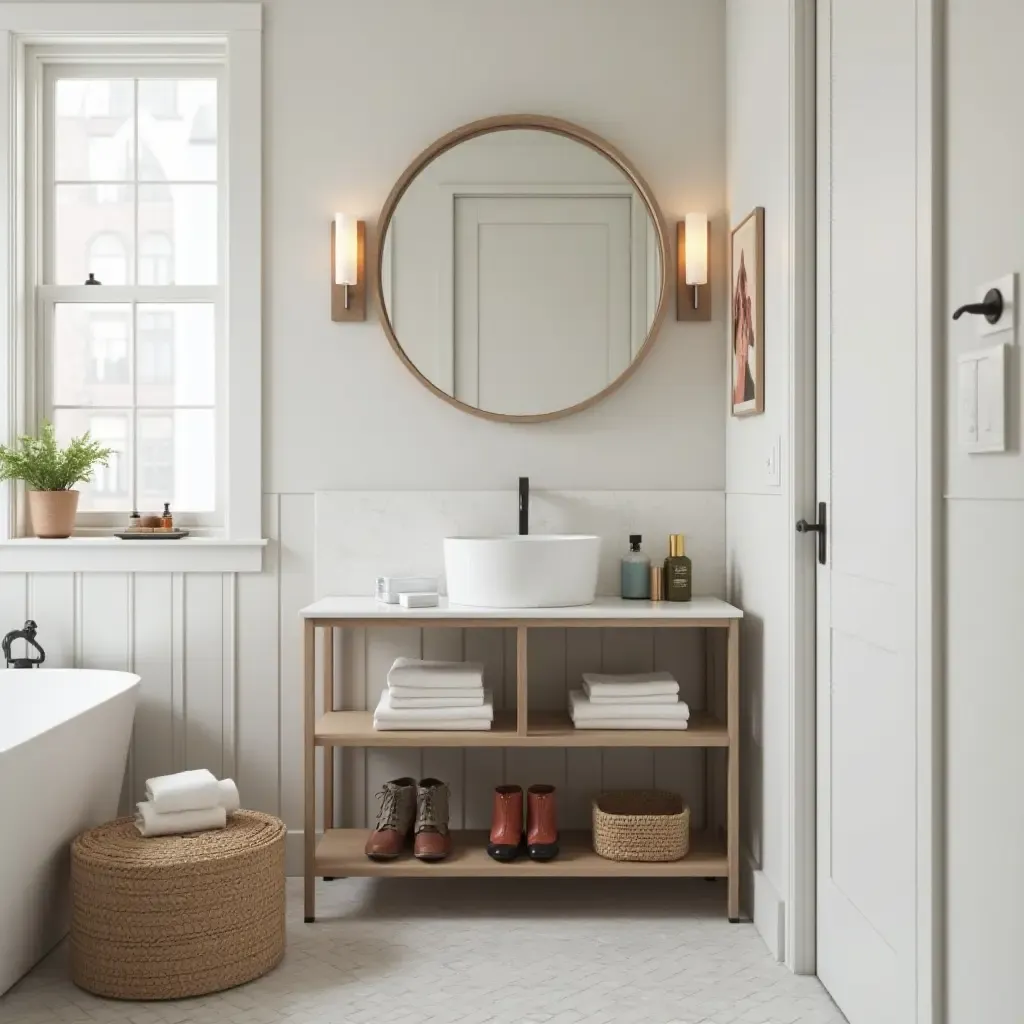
point(426, 812)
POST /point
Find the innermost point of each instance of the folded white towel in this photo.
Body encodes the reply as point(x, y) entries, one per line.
point(632, 723)
point(438, 701)
point(185, 791)
point(645, 699)
point(434, 725)
point(472, 694)
point(151, 822)
point(582, 710)
point(639, 684)
point(436, 674)
point(229, 798)
point(387, 712)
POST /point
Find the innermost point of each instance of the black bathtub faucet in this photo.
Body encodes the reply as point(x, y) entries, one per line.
point(28, 634)
point(524, 506)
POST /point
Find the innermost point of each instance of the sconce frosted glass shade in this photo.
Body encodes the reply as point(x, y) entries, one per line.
point(346, 250)
point(696, 248)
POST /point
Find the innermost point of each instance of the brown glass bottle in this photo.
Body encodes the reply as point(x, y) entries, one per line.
point(678, 570)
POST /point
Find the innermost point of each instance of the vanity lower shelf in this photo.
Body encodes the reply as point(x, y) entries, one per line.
point(339, 854)
point(545, 729)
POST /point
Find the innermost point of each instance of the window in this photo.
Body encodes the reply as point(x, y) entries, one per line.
point(136, 191)
point(121, 115)
point(155, 252)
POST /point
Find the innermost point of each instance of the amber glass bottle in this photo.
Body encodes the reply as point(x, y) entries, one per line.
point(678, 570)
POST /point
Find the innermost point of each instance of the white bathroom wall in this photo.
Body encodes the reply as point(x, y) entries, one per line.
point(761, 149)
point(353, 91)
point(984, 513)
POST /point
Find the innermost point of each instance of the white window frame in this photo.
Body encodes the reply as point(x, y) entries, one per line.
point(101, 31)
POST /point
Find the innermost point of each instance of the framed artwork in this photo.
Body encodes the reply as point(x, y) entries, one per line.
point(747, 292)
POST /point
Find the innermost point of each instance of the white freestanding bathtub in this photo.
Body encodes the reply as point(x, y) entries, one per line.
point(64, 737)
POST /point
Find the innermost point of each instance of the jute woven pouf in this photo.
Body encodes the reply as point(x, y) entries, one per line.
point(176, 916)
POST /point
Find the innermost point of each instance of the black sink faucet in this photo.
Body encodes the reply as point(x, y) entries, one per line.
point(524, 506)
point(28, 634)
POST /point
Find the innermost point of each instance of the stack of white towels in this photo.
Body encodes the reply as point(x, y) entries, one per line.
point(193, 801)
point(443, 695)
point(646, 700)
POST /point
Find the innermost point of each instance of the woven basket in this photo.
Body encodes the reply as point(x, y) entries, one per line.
point(641, 825)
point(177, 916)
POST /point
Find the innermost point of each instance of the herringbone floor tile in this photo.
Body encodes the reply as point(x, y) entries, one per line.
point(503, 951)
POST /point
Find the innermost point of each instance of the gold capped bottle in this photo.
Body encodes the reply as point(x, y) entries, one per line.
point(678, 570)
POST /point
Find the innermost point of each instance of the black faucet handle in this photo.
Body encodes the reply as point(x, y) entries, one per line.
point(28, 634)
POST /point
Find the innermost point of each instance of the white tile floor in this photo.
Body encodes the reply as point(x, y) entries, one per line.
point(503, 951)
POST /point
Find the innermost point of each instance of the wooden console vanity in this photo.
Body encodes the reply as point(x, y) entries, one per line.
point(339, 853)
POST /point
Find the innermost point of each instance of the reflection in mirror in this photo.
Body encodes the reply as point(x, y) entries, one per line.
point(521, 272)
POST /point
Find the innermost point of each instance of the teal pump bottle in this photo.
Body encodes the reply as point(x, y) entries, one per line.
point(636, 572)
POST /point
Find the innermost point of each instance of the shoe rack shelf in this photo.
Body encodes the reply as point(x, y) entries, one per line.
point(339, 852)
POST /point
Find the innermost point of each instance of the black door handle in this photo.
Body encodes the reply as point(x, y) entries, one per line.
point(820, 528)
point(991, 307)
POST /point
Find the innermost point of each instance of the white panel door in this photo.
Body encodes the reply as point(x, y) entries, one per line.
point(543, 299)
point(866, 784)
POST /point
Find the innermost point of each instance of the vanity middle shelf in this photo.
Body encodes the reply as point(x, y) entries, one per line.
point(544, 729)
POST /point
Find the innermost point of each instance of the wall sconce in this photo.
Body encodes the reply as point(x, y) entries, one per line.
point(348, 268)
point(693, 295)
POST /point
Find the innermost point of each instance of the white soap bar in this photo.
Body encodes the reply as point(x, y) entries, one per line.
point(418, 600)
point(390, 587)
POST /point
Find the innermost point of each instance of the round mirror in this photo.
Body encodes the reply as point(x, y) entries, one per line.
point(522, 268)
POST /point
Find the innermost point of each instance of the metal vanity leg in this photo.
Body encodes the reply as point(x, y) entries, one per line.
point(309, 718)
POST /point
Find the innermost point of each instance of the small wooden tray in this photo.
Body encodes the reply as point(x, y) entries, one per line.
point(152, 534)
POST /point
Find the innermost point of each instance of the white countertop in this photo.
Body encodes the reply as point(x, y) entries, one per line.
point(602, 608)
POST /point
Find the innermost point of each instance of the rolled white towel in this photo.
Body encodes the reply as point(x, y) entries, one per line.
point(436, 674)
point(638, 684)
point(582, 709)
point(151, 822)
point(472, 695)
point(387, 712)
point(229, 798)
point(193, 790)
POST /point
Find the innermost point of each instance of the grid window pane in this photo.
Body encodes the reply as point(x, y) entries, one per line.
point(177, 458)
point(178, 233)
point(178, 129)
point(111, 487)
point(94, 129)
point(91, 363)
point(94, 233)
point(176, 354)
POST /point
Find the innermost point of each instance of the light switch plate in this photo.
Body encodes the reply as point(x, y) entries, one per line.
point(1008, 321)
point(981, 400)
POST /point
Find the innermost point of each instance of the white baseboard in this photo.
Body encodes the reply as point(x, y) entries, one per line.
point(765, 906)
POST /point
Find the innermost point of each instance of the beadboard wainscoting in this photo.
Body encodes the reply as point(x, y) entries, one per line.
point(219, 653)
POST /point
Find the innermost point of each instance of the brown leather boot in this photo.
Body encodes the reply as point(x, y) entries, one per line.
point(395, 816)
point(541, 823)
point(433, 840)
point(507, 824)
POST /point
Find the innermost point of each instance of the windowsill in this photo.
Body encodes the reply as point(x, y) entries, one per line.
point(111, 554)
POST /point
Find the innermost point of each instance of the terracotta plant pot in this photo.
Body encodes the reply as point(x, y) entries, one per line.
point(53, 512)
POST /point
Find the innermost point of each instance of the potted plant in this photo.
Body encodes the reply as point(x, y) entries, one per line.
point(51, 474)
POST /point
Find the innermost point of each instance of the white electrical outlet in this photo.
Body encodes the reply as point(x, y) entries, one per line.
point(1008, 321)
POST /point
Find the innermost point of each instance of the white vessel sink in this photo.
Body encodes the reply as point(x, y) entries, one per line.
point(534, 571)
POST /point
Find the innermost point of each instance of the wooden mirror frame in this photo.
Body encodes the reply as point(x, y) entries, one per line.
point(537, 122)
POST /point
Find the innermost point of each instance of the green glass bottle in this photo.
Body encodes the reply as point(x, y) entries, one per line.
point(678, 570)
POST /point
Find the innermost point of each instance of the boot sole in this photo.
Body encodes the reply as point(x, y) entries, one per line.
point(383, 858)
point(432, 859)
